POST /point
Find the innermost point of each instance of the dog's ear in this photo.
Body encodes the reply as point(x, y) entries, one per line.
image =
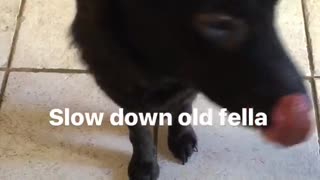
point(222, 30)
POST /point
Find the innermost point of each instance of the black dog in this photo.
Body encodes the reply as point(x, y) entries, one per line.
point(155, 56)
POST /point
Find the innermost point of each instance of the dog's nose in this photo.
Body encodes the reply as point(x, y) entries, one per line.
point(220, 29)
point(291, 121)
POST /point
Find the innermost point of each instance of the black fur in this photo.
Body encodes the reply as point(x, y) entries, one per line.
point(148, 56)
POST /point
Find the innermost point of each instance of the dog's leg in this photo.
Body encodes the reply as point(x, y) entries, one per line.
point(182, 140)
point(143, 164)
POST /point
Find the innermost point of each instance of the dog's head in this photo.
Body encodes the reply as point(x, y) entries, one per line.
point(228, 49)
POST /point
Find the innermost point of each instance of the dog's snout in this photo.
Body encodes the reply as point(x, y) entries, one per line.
point(222, 30)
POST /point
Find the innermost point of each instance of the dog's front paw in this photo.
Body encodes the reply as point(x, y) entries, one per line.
point(182, 143)
point(141, 169)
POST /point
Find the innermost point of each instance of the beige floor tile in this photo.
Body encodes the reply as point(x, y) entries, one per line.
point(313, 7)
point(8, 12)
point(44, 40)
point(292, 31)
point(238, 153)
point(32, 149)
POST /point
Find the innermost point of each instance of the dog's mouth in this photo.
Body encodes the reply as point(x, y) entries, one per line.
point(291, 120)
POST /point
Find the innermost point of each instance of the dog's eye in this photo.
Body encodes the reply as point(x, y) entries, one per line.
point(221, 30)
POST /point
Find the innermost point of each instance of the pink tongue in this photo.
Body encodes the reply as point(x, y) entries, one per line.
point(291, 123)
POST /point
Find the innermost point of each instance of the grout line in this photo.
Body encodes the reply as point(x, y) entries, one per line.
point(307, 78)
point(84, 71)
point(45, 70)
point(308, 38)
point(12, 50)
point(35, 70)
point(312, 66)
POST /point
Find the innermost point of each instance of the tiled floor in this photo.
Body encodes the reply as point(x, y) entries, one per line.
point(45, 73)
